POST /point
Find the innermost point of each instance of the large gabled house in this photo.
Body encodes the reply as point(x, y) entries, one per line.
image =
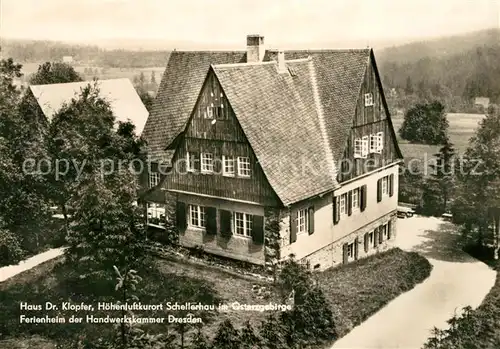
point(303, 134)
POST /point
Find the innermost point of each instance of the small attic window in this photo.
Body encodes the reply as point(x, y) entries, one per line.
point(292, 71)
point(368, 99)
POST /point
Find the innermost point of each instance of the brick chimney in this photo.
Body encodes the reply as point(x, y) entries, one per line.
point(255, 48)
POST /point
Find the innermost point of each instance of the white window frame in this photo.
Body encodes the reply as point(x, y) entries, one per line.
point(197, 216)
point(244, 167)
point(343, 204)
point(380, 142)
point(302, 220)
point(364, 147)
point(154, 179)
point(228, 166)
point(246, 221)
point(189, 166)
point(358, 148)
point(207, 162)
point(385, 186)
point(350, 250)
point(368, 99)
point(355, 199)
point(373, 143)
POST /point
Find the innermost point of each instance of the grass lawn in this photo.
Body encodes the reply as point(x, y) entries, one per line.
point(462, 128)
point(355, 292)
point(358, 290)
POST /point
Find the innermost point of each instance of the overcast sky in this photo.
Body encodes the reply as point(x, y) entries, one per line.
point(227, 22)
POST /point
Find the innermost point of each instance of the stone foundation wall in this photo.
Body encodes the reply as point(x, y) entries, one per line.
point(332, 254)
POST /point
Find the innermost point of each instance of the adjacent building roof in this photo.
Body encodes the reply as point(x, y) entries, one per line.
point(120, 93)
point(290, 120)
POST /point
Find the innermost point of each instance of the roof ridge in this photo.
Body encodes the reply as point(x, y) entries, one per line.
point(208, 51)
point(244, 64)
point(322, 127)
point(357, 49)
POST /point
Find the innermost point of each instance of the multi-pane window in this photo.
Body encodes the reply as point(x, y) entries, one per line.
point(228, 165)
point(380, 142)
point(197, 216)
point(207, 162)
point(368, 99)
point(357, 147)
point(243, 224)
point(343, 204)
point(361, 147)
point(355, 198)
point(385, 185)
point(302, 220)
point(350, 250)
point(154, 179)
point(376, 142)
point(244, 166)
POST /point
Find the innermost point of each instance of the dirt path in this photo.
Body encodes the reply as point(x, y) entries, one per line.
point(11, 270)
point(457, 280)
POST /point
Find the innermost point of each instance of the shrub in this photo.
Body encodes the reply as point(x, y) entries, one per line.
point(10, 248)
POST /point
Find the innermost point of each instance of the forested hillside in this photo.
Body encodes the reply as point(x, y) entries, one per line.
point(31, 51)
point(453, 69)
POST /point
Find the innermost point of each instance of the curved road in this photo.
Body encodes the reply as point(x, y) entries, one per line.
point(456, 280)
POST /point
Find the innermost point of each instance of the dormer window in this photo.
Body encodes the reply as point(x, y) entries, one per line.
point(368, 99)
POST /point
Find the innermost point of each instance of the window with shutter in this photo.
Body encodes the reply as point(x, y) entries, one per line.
point(356, 249)
point(380, 142)
point(345, 256)
point(336, 209)
point(302, 223)
point(364, 147)
point(380, 236)
point(349, 203)
point(225, 222)
point(181, 216)
point(358, 148)
point(375, 237)
point(391, 184)
point(243, 224)
point(363, 197)
point(373, 143)
point(366, 242)
point(379, 190)
point(389, 230)
point(211, 225)
point(258, 230)
point(293, 226)
point(310, 216)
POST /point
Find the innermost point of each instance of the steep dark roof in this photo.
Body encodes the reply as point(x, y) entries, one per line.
point(339, 75)
point(177, 94)
point(286, 119)
point(279, 117)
